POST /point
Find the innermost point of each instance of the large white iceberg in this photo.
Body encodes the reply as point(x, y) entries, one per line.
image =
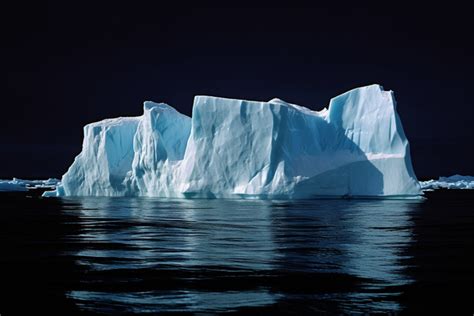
point(237, 148)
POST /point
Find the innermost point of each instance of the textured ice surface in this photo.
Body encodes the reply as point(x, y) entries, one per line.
point(107, 154)
point(238, 148)
point(23, 185)
point(452, 182)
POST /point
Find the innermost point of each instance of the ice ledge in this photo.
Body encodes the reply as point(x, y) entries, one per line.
point(452, 182)
point(20, 185)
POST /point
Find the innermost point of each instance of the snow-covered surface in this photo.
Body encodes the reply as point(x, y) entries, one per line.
point(250, 149)
point(453, 182)
point(20, 185)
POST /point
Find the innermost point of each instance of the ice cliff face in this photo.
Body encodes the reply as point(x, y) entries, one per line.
point(237, 148)
point(159, 146)
point(101, 169)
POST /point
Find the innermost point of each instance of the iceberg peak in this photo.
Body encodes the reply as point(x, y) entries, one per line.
point(276, 100)
point(150, 105)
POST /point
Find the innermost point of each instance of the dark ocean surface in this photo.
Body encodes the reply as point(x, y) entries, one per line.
point(142, 255)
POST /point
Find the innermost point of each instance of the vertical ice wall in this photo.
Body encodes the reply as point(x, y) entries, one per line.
point(106, 158)
point(159, 146)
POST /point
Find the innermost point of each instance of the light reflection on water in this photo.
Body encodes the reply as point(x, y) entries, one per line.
point(216, 255)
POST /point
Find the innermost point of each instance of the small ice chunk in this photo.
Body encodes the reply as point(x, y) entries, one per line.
point(453, 182)
point(20, 185)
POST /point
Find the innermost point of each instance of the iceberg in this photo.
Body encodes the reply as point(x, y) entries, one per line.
point(248, 149)
point(453, 182)
point(20, 185)
point(12, 186)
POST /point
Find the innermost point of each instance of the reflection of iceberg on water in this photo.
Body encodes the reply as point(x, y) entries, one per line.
point(237, 148)
point(174, 241)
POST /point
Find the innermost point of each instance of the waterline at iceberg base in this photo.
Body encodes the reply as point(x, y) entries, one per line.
point(236, 148)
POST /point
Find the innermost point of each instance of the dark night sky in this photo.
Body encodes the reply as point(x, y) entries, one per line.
point(65, 65)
